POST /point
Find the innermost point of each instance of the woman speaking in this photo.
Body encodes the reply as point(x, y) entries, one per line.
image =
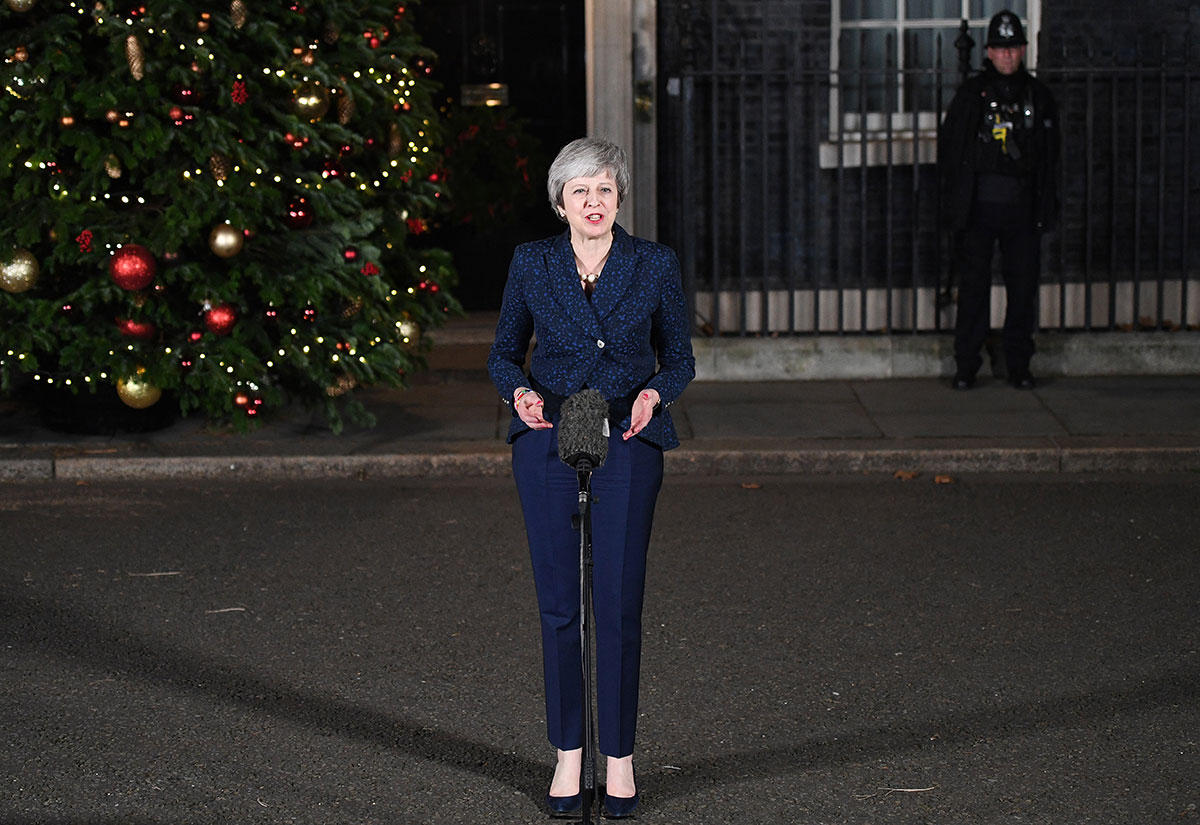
point(609, 314)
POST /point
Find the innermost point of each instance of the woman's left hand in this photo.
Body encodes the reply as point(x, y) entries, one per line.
point(643, 409)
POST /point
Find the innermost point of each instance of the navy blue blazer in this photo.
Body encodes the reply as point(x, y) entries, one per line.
point(632, 334)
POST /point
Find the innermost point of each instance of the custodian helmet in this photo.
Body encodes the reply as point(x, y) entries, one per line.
point(1005, 30)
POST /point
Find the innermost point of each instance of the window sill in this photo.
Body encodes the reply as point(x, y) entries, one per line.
point(851, 149)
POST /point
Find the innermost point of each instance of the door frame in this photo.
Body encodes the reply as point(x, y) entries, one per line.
point(620, 38)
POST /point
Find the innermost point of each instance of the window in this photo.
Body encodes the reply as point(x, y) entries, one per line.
point(888, 58)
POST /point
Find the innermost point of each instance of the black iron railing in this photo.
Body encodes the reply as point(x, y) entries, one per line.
point(798, 208)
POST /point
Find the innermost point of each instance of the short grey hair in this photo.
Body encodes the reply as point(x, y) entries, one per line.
point(584, 158)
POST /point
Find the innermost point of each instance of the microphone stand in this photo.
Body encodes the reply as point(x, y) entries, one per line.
point(583, 521)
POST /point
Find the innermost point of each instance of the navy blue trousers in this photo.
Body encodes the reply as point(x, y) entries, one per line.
point(625, 489)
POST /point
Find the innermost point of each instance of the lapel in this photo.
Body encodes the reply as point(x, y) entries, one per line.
point(564, 282)
point(617, 274)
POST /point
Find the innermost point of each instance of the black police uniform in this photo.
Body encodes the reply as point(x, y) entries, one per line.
point(998, 161)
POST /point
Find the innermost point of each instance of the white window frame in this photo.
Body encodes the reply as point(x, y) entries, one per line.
point(874, 143)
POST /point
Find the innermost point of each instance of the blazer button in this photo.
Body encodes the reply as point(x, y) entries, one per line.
point(599, 343)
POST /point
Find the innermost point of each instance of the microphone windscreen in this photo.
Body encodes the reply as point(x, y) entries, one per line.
point(581, 429)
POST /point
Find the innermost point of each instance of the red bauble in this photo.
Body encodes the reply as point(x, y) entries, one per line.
point(299, 214)
point(132, 267)
point(220, 319)
point(144, 330)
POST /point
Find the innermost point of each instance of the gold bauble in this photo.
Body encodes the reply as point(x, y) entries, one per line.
point(20, 5)
point(20, 272)
point(113, 167)
point(310, 100)
point(225, 241)
point(137, 392)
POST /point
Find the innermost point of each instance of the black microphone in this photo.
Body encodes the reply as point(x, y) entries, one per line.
point(583, 430)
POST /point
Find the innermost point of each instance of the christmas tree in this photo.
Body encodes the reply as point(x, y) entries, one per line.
point(214, 204)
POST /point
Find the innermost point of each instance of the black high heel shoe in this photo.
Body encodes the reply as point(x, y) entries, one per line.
point(564, 805)
point(619, 807)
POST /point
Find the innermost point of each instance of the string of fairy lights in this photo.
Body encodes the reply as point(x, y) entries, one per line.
point(401, 85)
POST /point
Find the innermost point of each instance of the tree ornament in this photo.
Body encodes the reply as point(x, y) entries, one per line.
point(84, 239)
point(135, 56)
point(67, 121)
point(184, 95)
point(219, 165)
point(179, 116)
point(350, 254)
point(239, 93)
point(132, 267)
point(310, 100)
point(238, 13)
point(409, 330)
point(344, 384)
point(299, 214)
point(345, 107)
point(20, 54)
point(20, 272)
point(225, 241)
point(395, 141)
point(143, 330)
point(220, 319)
point(21, 6)
point(137, 392)
point(112, 165)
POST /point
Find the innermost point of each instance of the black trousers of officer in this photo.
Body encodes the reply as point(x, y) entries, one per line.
point(1020, 262)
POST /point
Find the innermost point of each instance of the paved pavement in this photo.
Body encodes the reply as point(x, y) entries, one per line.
point(451, 423)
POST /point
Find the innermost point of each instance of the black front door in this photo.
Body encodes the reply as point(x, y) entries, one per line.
point(535, 48)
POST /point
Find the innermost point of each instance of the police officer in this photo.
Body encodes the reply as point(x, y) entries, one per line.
point(998, 161)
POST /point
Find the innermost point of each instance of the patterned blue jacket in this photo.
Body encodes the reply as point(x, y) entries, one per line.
point(632, 334)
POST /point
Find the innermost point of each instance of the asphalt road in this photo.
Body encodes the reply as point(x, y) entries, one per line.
point(818, 650)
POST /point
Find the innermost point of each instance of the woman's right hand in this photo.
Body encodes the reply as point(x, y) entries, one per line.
point(530, 406)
